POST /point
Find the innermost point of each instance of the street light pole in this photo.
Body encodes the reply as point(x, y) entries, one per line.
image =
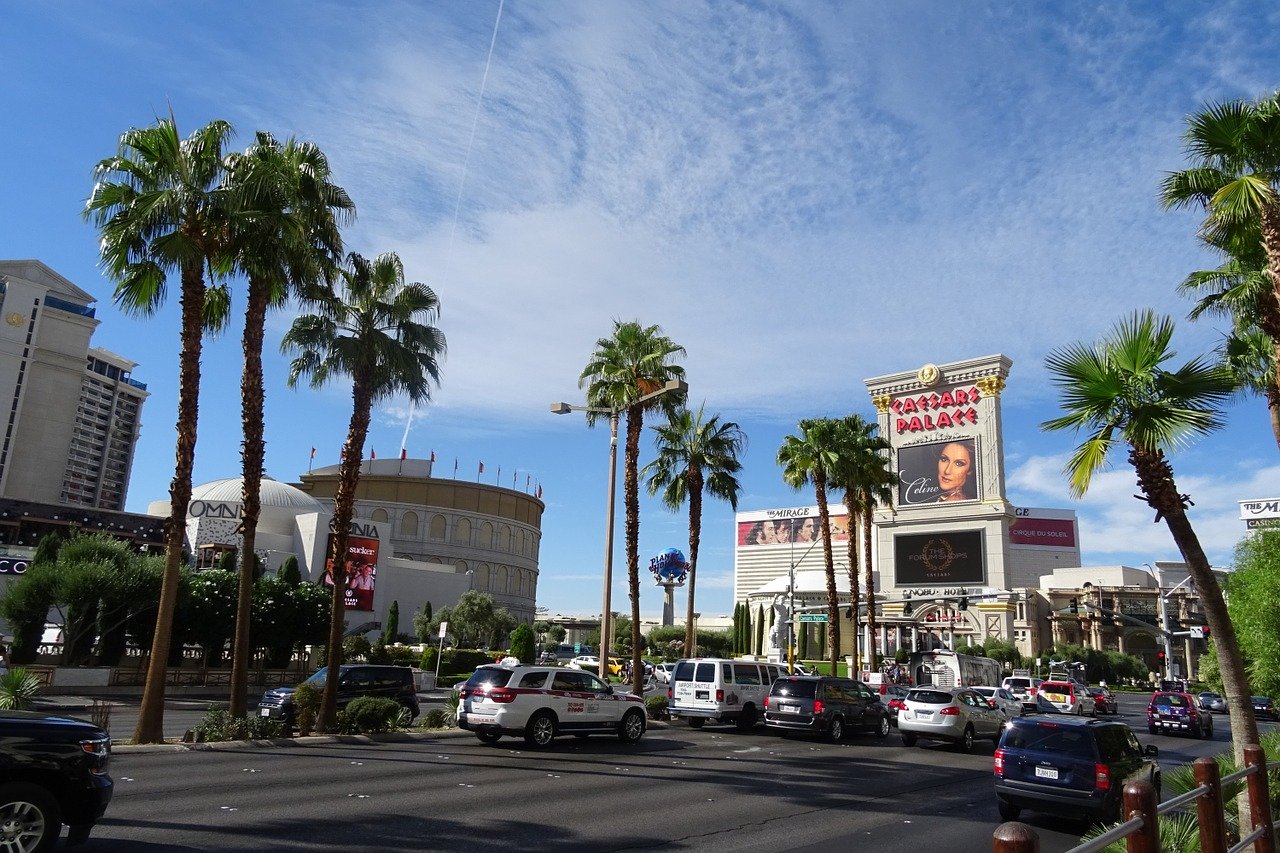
point(614, 413)
point(1164, 623)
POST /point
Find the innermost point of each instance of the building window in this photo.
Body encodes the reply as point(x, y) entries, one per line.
point(462, 531)
point(409, 524)
point(438, 527)
point(379, 515)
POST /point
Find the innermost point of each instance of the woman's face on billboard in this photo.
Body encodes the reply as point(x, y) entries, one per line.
point(954, 464)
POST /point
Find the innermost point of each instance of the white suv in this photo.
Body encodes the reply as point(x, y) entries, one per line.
point(543, 702)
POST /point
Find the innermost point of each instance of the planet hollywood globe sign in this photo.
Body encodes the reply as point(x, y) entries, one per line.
point(669, 568)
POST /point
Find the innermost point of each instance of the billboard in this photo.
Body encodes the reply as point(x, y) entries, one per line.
point(1043, 532)
point(938, 472)
point(360, 573)
point(799, 530)
point(953, 558)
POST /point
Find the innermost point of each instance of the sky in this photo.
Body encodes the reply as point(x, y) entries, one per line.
point(802, 194)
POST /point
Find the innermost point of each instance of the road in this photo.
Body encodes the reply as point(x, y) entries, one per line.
point(677, 789)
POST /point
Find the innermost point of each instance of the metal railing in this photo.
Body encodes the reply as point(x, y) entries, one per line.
point(1141, 830)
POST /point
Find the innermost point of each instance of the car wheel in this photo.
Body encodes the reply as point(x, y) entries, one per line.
point(632, 727)
point(835, 731)
point(541, 730)
point(882, 727)
point(1008, 811)
point(488, 737)
point(696, 722)
point(965, 743)
point(909, 739)
point(29, 817)
point(747, 719)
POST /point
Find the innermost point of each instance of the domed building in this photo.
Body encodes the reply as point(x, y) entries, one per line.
point(413, 538)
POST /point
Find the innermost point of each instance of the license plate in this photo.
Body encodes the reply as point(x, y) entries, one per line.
point(1047, 772)
point(266, 712)
point(702, 694)
point(791, 709)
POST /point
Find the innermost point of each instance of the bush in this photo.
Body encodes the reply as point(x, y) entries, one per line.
point(306, 707)
point(218, 725)
point(522, 644)
point(369, 715)
point(463, 661)
point(656, 706)
point(18, 689)
point(401, 656)
point(427, 662)
point(437, 718)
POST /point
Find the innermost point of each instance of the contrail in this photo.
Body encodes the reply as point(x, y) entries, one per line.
point(466, 162)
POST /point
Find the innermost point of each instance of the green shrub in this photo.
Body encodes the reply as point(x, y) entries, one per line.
point(306, 707)
point(437, 718)
point(369, 715)
point(428, 660)
point(18, 689)
point(522, 644)
point(401, 656)
point(218, 725)
point(656, 706)
point(463, 661)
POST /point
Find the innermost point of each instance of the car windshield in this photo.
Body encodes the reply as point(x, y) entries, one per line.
point(1048, 737)
point(930, 697)
point(317, 678)
point(1170, 699)
point(488, 676)
point(795, 688)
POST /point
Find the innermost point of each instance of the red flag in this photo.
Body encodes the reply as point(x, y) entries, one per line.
point(373, 454)
point(539, 491)
point(481, 467)
point(404, 454)
point(313, 453)
point(433, 456)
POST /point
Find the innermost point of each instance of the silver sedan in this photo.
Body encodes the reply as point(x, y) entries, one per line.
point(957, 715)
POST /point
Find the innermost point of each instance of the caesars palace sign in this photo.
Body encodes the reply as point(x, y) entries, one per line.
point(928, 412)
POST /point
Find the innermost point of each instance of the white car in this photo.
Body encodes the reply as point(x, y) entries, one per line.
point(585, 662)
point(1003, 699)
point(662, 672)
point(541, 703)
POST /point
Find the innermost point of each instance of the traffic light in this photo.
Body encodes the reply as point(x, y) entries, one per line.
point(1160, 656)
point(907, 605)
point(1075, 605)
point(963, 604)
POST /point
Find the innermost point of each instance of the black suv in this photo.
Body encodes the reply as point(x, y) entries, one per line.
point(1069, 766)
point(53, 770)
point(818, 703)
point(354, 680)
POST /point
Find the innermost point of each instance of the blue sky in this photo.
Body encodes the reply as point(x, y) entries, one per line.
point(802, 194)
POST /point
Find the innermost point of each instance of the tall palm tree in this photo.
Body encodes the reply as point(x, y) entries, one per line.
point(1119, 391)
point(695, 453)
point(1235, 178)
point(810, 458)
point(863, 473)
point(159, 208)
point(635, 361)
point(1240, 290)
point(378, 330)
point(287, 240)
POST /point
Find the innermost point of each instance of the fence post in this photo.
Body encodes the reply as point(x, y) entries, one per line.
point(1015, 838)
point(1259, 799)
point(1213, 834)
point(1139, 800)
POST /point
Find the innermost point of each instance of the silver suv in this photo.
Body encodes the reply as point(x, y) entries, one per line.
point(541, 703)
point(957, 715)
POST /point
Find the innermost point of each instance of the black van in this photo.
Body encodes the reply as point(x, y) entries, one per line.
point(820, 703)
point(354, 680)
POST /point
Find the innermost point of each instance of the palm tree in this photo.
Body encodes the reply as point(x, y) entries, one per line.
point(808, 458)
point(1240, 290)
point(159, 208)
point(634, 362)
point(1235, 178)
point(695, 452)
point(378, 330)
point(1118, 390)
point(287, 241)
point(863, 472)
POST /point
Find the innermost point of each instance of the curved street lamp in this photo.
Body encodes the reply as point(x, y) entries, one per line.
point(673, 385)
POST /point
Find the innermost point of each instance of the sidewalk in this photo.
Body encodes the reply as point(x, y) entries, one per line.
point(187, 699)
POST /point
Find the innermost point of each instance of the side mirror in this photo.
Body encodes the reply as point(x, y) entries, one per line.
point(1151, 750)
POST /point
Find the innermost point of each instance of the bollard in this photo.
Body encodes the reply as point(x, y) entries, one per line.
point(1259, 799)
point(1015, 837)
point(1213, 831)
point(1140, 801)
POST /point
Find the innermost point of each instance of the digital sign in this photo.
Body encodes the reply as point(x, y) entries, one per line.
point(939, 558)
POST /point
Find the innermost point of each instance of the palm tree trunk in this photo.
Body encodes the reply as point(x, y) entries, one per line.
point(631, 498)
point(867, 517)
point(833, 601)
point(851, 514)
point(343, 509)
point(150, 727)
point(251, 412)
point(1270, 225)
point(695, 538)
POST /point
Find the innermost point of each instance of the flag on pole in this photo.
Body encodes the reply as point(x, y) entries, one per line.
point(433, 456)
point(373, 454)
point(539, 491)
point(497, 480)
point(313, 453)
point(404, 454)
point(481, 471)
point(455, 467)
point(513, 478)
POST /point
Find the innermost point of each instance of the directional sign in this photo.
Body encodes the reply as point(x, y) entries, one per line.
point(811, 617)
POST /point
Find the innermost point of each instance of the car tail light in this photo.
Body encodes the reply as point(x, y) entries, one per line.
point(1031, 691)
point(670, 693)
point(950, 711)
point(464, 692)
point(1000, 763)
point(719, 696)
point(1101, 777)
point(766, 703)
point(501, 695)
point(817, 707)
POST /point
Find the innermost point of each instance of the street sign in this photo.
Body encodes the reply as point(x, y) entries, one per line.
point(444, 629)
point(1198, 632)
point(811, 617)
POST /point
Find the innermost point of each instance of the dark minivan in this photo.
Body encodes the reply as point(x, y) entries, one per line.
point(354, 680)
point(834, 706)
point(1070, 766)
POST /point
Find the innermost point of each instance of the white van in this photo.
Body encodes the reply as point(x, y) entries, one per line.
point(721, 690)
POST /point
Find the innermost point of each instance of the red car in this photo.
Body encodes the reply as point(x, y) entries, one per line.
point(1178, 712)
point(1104, 701)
